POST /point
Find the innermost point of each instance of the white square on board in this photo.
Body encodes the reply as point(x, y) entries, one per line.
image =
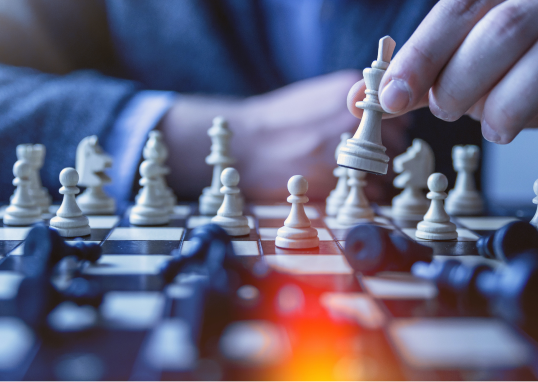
point(463, 235)
point(198, 220)
point(14, 233)
point(281, 212)
point(241, 248)
point(486, 223)
point(270, 234)
point(126, 264)
point(400, 287)
point(132, 310)
point(103, 222)
point(450, 343)
point(9, 284)
point(309, 264)
point(356, 306)
point(181, 211)
point(146, 233)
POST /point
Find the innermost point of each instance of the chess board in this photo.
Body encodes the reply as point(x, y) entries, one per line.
point(390, 326)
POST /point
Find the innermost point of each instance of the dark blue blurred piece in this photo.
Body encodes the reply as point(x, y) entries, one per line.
point(508, 241)
point(371, 249)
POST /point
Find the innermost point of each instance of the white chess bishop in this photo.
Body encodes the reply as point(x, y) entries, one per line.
point(69, 220)
point(211, 198)
point(464, 199)
point(534, 220)
point(150, 208)
point(91, 163)
point(414, 167)
point(35, 156)
point(297, 232)
point(356, 209)
point(337, 196)
point(230, 214)
point(22, 210)
point(436, 224)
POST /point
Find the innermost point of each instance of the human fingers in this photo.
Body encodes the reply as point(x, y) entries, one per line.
point(416, 66)
point(492, 47)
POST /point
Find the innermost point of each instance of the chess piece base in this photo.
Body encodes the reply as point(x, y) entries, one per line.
point(91, 204)
point(234, 226)
point(469, 204)
point(365, 156)
point(297, 238)
point(15, 216)
point(144, 216)
point(354, 215)
point(71, 227)
point(436, 231)
point(210, 202)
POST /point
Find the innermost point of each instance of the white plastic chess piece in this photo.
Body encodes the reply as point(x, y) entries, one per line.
point(464, 199)
point(436, 224)
point(69, 220)
point(35, 156)
point(150, 208)
point(91, 163)
point(365, 151)
point(534, 220)
point(22, 209)
point(297, 232)
point(230, 214)
point(337, 196)
point(356, 209)
point(211, 198)
point(414, 167)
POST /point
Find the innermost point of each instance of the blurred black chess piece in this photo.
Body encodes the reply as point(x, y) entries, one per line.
point(371, 249)
point(508, 241)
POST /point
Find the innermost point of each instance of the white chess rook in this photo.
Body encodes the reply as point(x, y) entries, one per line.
point(464, 199)
point(356, 209)
point(23, 209)
point(337, 196)
point(414, 167)
point(534, 220)
point(436, 224)
point(69, 220)
point(150, 208)
point(211, 198)
point(35, 156)
point(297, 232)
point(230, 214)
point(91, 163)
point(365, 151)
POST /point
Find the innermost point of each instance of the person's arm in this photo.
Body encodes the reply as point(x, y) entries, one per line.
point(468, 57)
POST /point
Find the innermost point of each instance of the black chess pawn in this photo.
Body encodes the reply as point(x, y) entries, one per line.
point(508, 241)
point(371, 249)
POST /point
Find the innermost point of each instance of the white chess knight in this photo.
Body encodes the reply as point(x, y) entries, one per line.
point(356, 208)
point(464, 199)
point(534, 220)
point(22, 209)
point(211, 198)
point(297, 232)
point(230, 214)
point(91, 163)
point(436, 224)
point(69, 220)
point(150, 208)
point(35, 156)
point(156, 150)
point(414, 167)
point(337, 196)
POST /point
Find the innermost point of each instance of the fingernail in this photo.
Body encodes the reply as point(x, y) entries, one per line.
point(395, 97)
point(440, 113)
point(490, 134)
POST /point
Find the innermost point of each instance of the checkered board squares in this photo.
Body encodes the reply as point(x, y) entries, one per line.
point(281, 212)
point(146, 233)
point(332, 223)
point(241, 248)
point(358, 307)
point(398, 286)
point(270, 234)
point(126, 265)
point(463, 234)
point(195, 221)
point(310, 264)
point(132, 310)
point(450, 343)
point(103, 222)
point(19, 250)
point(485, 223)
point(14, 233)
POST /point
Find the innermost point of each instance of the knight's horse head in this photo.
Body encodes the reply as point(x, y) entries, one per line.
point(91, 162)
point(415, 165)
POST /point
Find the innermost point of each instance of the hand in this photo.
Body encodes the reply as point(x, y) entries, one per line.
point(468, 57)
point(292, 130)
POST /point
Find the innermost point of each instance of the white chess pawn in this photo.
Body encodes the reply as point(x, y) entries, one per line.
point(69, 220)
point(464, 199)
point(22, 209)
point(150, 208)
point(436, 224)
point(297, 232)
point(534, 220)
point(230, 214)
point(356, 209)
point(337, 196)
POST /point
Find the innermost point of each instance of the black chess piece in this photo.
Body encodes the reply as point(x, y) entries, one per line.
point(508, 241)
point(371, 249)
